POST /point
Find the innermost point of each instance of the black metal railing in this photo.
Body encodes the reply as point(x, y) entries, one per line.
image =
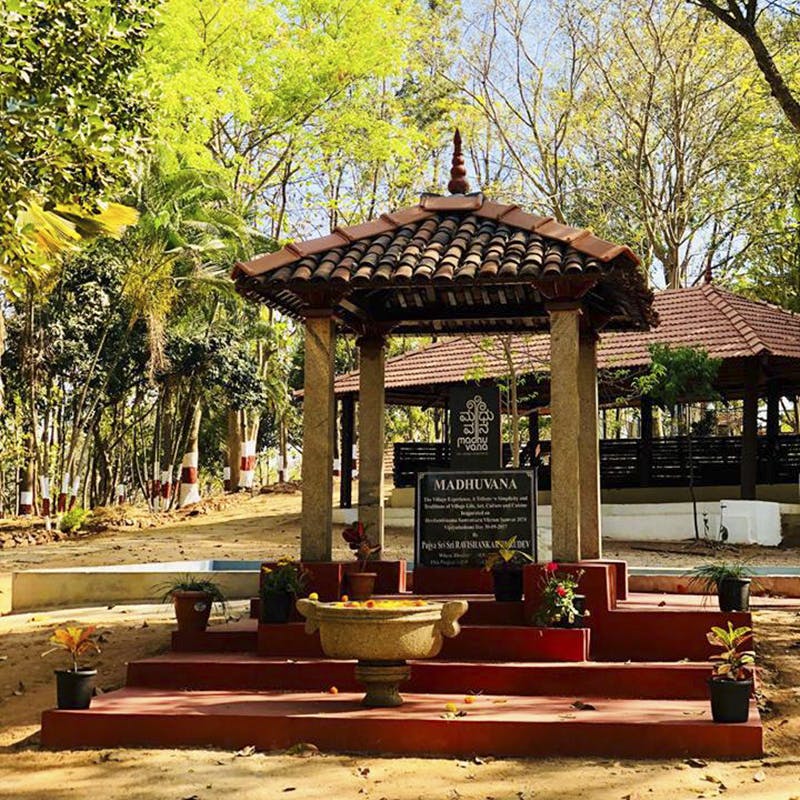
point(630, 463)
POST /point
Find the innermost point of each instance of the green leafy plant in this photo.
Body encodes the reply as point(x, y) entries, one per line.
point(75, 640)
point(681, 375)
point(287, 576)
point(187, 583)
point(709, 576)
point(74, 520)
point(733, 663)
point(558, 597)
point(506, 555)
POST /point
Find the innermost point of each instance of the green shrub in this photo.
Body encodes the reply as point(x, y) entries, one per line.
point(74, 520)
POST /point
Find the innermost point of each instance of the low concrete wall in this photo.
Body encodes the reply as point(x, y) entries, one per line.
point(41, 589)
point(678, 583)
point(747, 521)
point(6, 582)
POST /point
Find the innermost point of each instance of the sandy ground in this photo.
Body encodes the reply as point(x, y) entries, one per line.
point(265, 527)
point(268, 526)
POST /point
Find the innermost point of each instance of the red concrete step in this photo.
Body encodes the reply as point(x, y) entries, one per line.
point(478, 642)
point(653, 633)
point(499, 726)
point(231, 637)
point(254, 673)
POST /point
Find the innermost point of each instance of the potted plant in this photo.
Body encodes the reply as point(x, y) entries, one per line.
point(280, 587)
point(505, 563)
point(561, 605)
point(74, 687)
point(192, 599)
point(731, 682)
point(361, 584)
point(729, 580)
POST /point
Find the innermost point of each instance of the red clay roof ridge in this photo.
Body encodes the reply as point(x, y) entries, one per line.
point(718, 299)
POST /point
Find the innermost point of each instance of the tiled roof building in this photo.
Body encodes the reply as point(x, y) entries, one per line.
point(464, 256)
point(726, 325)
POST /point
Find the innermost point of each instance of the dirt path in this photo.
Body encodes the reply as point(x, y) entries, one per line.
point(265, 527)
point(268, 526)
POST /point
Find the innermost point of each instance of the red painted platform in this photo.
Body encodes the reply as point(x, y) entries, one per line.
point(250, 672)
point(242, 684)
point(500, 726)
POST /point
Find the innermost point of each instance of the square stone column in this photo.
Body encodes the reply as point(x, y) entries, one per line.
point(318, 435)
point(565, 422)
point(589, 446)
point(749, 468)
point(371, 435)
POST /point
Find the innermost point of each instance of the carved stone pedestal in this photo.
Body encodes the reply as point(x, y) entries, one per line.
point(382, 681)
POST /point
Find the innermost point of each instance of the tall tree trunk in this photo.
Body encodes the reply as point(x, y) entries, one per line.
point(283, 450)
point(189, 490)
point(234, 442)
point(168, 436)
point(249, 431)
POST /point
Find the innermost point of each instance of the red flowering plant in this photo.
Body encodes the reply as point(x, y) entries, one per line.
point(357, 540)
point(558, 598)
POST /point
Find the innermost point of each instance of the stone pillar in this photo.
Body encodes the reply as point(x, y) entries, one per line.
point(318, 431)
point(773, 429)
point(646, 442)
point(565, 410)
point(749, 467)
point(371, 435)
point(348, 427)
point(589, 446)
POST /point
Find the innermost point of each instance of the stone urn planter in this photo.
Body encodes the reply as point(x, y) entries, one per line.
point(382, 635)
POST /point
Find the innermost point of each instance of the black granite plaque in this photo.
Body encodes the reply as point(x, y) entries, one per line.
point(459, 515)
point(475, 441)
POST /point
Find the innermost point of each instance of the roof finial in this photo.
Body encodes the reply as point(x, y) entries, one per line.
point(458, 172)
point(708, 273)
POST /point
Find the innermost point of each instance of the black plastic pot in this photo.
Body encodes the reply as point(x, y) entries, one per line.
point(579, 601)
point(730, 700)
point(734, 594)
point(507, 584)
point(74, 690)
point(276, 606)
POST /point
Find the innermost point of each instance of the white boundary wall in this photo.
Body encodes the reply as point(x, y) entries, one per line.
point(747, 521)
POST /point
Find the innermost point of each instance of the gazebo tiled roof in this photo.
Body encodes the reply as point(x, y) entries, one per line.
point(728, 326)
point(470, 258)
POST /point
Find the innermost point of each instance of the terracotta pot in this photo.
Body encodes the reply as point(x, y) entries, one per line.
point(74, 690)
point(192, 610)
point(361, 585)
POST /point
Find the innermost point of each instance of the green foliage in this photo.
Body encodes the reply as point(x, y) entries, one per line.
point(287, 576)
point(506, 555)
point(709, 576)
point(74, 114)
point(678, 374)
point(558, 597)
point(188, 583)
point(733, 663)
point(74, 520)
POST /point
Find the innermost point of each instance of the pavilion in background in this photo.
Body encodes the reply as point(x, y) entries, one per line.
point(757, 343)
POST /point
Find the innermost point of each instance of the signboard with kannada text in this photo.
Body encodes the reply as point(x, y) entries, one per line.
point(475, 419)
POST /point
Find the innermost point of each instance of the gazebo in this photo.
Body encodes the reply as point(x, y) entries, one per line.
point(458, 264)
